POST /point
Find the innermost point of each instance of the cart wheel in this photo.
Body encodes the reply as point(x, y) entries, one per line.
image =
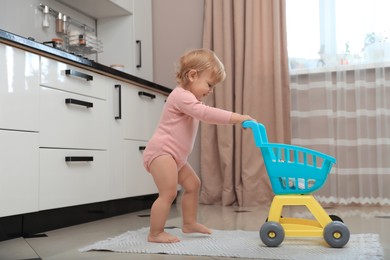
point(335, 218)
point(272, 234)
point(336, 234)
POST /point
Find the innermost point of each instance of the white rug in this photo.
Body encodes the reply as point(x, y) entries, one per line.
point(242, 244)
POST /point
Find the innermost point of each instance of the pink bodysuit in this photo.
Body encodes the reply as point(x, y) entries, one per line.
point(176, 131)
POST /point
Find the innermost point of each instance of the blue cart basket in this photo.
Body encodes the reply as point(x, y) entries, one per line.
point(291, 169)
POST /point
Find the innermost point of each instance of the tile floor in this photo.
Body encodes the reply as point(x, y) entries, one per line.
point(64, 243)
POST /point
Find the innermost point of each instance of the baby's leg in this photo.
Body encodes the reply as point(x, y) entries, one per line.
point(190, 199)
point(164, 172)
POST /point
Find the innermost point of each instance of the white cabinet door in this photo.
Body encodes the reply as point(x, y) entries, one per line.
point(128, 40)
point(116, 33)
point(141, 111)
point(117, 184)
point(137, 180)
point(19, 91)
point(72, 177)
point(143, 37)
point(59, 75)
point(69, 120)
point(19, 172)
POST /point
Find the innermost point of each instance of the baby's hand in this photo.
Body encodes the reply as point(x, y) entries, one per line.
point(246, 118)
point(238, 118)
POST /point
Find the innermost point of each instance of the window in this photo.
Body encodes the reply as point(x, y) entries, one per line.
point(328, 33)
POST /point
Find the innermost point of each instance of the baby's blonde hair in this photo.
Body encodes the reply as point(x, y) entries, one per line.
point(200, 60)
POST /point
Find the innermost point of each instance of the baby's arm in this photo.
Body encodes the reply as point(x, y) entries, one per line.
point(188, 104)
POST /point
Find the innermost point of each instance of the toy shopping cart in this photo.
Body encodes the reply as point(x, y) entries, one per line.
point(295, 172)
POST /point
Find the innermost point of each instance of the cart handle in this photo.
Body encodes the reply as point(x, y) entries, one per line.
point(259, 132)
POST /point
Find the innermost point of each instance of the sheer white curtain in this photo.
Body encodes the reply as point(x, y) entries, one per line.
point(340, 93)
point(346, 113)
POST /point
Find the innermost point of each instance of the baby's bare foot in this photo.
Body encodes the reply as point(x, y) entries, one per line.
point(196, 228)
point(163, 237)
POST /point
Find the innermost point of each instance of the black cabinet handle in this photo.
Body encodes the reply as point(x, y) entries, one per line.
point(146, 94)
point(141, 148)
point(139, 43)
point(119, 101)
point(79, 74)
point(78, 158)
point(78, 102)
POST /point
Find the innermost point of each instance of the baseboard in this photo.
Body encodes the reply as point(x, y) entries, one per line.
point(35, 224)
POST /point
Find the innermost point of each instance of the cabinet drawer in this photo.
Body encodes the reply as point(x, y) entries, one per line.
point(69, 78)
point(19, 89)
point(82, 179)
point(141, 112)
point(19, 172)
point(68, 120)
point(137, 180)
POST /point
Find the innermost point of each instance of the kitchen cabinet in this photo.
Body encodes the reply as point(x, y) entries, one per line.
point(73, 107)
point(19, 139)
point(62, 76)
point(137, 180)
point(71, 177)
point(19, 93)
point(128, 40)
point(143, 36)
point(135, 115)
point(73, 136)
point(141, 112)
point(71, 120)
point(19, 172)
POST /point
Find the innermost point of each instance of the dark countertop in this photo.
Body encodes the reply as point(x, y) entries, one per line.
point(44, 50)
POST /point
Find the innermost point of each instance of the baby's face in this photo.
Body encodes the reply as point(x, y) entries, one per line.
point(201, 85)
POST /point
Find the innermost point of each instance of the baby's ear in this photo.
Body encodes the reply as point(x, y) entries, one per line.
point(191, 75)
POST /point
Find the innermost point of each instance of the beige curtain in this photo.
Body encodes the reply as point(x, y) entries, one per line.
point(250, 38)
